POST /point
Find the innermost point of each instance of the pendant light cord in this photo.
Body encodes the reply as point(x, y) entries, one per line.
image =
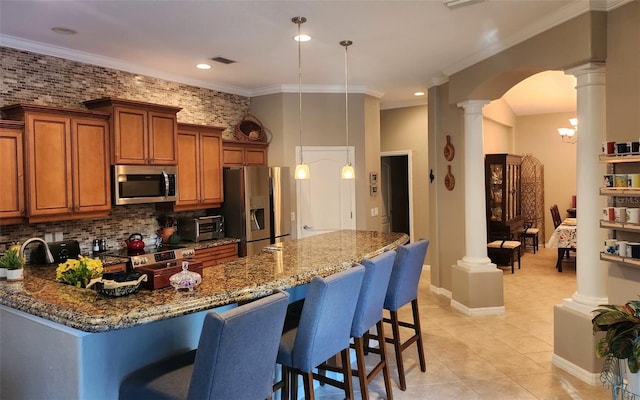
point(346, 44)
point(300, 21)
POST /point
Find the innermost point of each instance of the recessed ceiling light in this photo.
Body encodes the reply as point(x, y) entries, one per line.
point(419, 94)
point(63, 31)
point(203, 66)
point(302, 38)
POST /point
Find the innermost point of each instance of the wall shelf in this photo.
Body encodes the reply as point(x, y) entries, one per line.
point(619, 158)
point(632, 262)
point(620, 191)
point(620, 226)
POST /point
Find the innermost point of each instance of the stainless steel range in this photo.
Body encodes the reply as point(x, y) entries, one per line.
point(159, 263)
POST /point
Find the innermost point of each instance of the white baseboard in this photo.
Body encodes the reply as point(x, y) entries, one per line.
point(477, 312)
point(440, 291)
point(580, 373)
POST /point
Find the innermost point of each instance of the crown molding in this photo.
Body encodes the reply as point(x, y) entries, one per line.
point(564, 14)
point(288, 88)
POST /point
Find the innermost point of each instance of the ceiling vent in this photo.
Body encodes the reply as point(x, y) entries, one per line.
point(222, 60)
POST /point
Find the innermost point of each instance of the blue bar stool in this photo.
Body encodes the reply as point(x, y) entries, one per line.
point(322, 332)
point(403, 289)
point(235, 358)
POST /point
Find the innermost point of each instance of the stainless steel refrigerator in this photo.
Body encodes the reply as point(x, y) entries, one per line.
point(256, 207)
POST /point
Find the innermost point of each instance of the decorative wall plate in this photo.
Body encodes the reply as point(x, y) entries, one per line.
point(449, 180)
point(449, 150)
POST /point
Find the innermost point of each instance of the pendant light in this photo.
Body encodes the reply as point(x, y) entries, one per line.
point(347, 170)
point(302, 169)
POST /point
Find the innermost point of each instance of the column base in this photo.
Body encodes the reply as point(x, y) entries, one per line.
point(574, 344)
point(477, 290)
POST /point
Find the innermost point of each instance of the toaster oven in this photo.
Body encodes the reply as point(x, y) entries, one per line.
point(202, 228)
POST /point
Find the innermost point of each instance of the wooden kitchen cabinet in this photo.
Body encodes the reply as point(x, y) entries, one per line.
point(66, 162)
point(199, 167)
point(238, 154)
point(12, 195)
point(217, 255)
point(143, 133)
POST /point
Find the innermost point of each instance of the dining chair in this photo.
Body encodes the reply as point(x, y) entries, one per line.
point(402, 290)
point(377, 272)
point(323, 331)
point(235, 358)
point(557, 220)
point(529, 232)
point(555, 214)
point(502, 250)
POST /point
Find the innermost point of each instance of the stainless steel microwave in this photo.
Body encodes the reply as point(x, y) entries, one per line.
point(136, 184)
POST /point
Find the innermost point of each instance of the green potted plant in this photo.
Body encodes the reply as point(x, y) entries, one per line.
point(621, 324)
point(13, 264)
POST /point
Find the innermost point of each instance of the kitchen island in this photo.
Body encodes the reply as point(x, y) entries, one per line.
point(79, 345)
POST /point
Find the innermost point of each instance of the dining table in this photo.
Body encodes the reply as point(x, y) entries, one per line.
point(564, 239)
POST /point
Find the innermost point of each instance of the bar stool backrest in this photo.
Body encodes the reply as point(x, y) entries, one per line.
point(407, 267)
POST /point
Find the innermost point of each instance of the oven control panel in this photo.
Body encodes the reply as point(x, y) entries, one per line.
point(162, 257)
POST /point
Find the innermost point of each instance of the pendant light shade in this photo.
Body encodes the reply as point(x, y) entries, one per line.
point(302, 169)
point(347, 170)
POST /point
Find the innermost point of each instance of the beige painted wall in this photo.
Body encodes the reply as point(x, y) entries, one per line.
point(446, 215)
point(323, 124)
point(405, 129)
point(623, 115)
point(538, 135)
point(498, 138)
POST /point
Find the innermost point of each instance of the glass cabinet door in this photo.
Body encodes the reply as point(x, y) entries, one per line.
point(496, 197)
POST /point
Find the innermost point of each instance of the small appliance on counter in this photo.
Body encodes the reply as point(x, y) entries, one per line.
point(61, 251)
point(202, 228)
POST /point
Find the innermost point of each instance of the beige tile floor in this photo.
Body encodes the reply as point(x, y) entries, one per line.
point(504, 357)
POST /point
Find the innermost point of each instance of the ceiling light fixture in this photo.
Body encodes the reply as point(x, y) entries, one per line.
point(203, 66)
point(302, 169)
point(451, 4)
point(347, 170)
point(569, 135)
point(419, 94)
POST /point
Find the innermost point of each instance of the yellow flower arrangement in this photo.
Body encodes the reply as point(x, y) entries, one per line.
point(79, 272)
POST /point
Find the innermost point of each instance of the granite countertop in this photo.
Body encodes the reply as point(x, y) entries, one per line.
point(232, 282)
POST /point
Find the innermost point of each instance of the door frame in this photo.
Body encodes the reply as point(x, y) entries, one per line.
point(409, 155)
point(301, 150)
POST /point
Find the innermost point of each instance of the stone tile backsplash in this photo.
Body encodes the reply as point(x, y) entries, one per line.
point(27, 77)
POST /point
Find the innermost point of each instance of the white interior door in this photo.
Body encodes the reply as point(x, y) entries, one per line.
point(325, 202)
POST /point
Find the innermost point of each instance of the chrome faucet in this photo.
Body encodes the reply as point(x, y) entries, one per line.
point(47, 252)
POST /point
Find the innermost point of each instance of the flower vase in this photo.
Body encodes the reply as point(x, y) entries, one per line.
point(167, 233)
point(633, 382)
point(3, 273)
point(15, 274)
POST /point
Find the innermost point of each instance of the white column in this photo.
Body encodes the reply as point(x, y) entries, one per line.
point(591, 273)
point(475, 216)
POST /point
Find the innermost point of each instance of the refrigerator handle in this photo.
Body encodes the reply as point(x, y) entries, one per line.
point(254, 221)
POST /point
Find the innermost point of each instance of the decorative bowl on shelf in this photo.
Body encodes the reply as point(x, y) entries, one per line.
point(185, 279)
point(118, 284)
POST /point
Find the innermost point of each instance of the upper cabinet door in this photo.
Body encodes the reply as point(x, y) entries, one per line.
point(162, 138)
point(91, 183)
point(143, 133)
point(12, 204)
point(188, 168)
point(130, 139)
point(49, 160)
point(199, 167)
point(211, 167)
